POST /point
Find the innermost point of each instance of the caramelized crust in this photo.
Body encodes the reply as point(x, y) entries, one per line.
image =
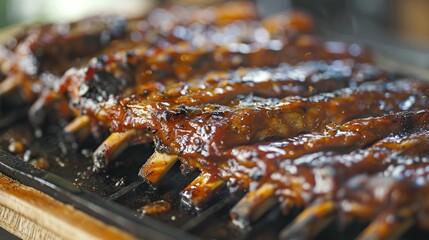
point(206, 131)
point(43, 53)
point(393, 199)
point(178, 49)
point(139, 70)
point(254, 104)
point(260, 161)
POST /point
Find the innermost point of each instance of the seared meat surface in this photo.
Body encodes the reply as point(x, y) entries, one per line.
point(262, 160)
point(43, 53)
point(254, 104)
point(208, 130)
point(188, 47)
point(303, 80)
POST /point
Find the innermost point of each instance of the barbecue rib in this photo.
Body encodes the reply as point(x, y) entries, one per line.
point(52, 47)
point(373, 92)
point(317, 177)
point(206, 131)
point(181, 51)
point(45, 52)
point(255, 105)
point(35, 60)
point(142, 70)
point(401, 204)
point(262, 160)
point(254, 165)
point(325, 173)
point(304, 79)
point(127, 72)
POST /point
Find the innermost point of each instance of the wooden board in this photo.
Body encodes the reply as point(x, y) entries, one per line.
point(30, 214)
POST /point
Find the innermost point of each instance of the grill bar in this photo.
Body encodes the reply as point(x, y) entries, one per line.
point(202, 217)
point(132, 186)
point(88, 203)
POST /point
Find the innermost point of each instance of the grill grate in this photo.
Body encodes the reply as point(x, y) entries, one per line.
point(120, 203)
point(118, 194)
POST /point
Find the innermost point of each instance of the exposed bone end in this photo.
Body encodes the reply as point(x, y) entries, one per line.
point(157, 166)
point(252, 206)
point(10, 84)
point(387, 225)
point(201, 190)
point(80, 127)
point(310, 222)
point(115, 144)
point(351, 210)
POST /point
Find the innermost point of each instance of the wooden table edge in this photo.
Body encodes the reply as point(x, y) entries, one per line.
point(31, 214)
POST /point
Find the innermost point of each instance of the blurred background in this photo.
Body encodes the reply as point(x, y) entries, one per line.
point(18, 11)
point(407, 19)
point(409, 16)
point(383, 24)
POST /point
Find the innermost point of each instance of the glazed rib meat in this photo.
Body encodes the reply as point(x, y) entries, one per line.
point(109, 79)
point(142, 67)
point(45, 52)
point(177, 54)
point(317, 177)
point(242, 164)
point(41, 54)
point(220, 87)
point(112, 77)
point(253, 105)
point(391, 196)
point(401, 204)
point(73, 40)
point(250, 167)
point(208, 130)
point(304, 79)
point(262, 160)
point(328, 172)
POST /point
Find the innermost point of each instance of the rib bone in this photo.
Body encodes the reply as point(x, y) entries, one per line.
point(157, 166)
point(201, 190)
point(310, 222)
point(9, 84)
point(112, 147)
point(252, 206)
point(387, 226)
point(79, 127)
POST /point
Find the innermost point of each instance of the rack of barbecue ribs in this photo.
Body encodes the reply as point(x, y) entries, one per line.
point(260, 105)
